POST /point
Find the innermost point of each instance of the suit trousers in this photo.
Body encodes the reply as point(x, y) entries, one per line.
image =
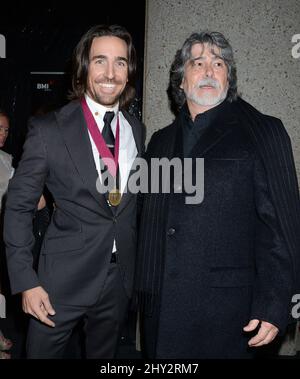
point(103, 323)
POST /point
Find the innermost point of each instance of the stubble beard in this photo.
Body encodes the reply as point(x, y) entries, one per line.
point(107, 100)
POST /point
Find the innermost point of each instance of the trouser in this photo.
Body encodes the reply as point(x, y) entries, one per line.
point(102, 324)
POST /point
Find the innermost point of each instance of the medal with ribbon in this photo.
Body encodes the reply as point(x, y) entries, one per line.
point(111, 161)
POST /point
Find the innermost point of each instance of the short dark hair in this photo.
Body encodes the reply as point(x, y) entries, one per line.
point(81, 58)
point(176, 94)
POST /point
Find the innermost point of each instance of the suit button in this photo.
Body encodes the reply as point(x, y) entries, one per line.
point(171, 232)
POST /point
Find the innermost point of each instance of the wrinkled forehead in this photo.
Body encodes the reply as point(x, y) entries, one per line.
point(199, 50)
point(4, 121)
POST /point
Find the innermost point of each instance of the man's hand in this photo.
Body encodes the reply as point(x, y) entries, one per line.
point(36, 303)
point(266, 333)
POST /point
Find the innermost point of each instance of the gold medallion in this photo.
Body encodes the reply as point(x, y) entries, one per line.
point(114, 197)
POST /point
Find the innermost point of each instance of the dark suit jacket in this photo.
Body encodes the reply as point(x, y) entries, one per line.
point(205, 270)
point(77, 247)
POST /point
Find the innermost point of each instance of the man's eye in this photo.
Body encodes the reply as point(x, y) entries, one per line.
point(197, 64)
point(219, 64)
point(121, 63)
point(99, 61)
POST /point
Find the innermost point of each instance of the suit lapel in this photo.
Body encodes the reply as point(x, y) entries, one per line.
point(74, 130)
point(137, 132)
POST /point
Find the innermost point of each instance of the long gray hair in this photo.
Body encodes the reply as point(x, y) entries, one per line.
point(176, 94)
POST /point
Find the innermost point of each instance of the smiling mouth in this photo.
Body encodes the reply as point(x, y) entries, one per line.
point(108, 85)
point(109, 88)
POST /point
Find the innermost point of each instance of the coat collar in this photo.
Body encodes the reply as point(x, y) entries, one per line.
point(217, 130)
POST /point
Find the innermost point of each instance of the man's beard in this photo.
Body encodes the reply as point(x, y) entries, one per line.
point(108, 100)
point(208, 100)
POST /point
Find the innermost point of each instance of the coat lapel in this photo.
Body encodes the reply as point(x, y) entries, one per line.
point(220, 127)
point(138, 134)
point(137, 131)
point(74, 130)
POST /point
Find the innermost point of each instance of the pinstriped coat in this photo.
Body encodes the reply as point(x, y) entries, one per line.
point(205, 270)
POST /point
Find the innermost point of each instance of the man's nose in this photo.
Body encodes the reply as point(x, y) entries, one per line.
point(209, 71)
point(110, 71)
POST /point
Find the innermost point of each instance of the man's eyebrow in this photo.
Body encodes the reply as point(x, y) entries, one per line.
point(98, 57)
point(122, 59)
point(197, 58)
point(216, 56)
point(105, 57)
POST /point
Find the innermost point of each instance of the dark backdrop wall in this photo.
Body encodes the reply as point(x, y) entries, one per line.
point(39, 41)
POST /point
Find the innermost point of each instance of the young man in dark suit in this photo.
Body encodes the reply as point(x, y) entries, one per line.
point(87, 258)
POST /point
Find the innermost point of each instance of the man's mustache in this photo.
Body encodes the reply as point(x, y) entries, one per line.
point(209, 82)
point(115, 82)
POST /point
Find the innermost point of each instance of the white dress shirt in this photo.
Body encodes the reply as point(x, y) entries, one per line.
point(127, 148)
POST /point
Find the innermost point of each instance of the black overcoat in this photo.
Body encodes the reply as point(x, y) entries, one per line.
point(206, 270)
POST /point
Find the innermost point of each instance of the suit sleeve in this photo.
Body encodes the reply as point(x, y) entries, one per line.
point(24, 192)
point(274, 268)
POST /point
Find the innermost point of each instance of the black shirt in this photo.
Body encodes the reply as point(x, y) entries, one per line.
point(192, 130)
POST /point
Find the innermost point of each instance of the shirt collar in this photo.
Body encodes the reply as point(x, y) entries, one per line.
point(205, 118)
point(210, 115)
point(99, 110)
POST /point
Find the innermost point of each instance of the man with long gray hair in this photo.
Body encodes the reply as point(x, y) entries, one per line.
point(216, 279)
